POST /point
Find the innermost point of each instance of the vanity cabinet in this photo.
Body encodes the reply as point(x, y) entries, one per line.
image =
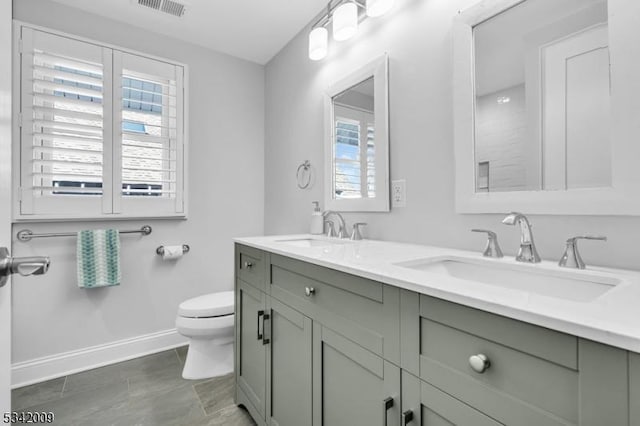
point(531, 376)
point(634, 388)
point(426, 405)
point(352, 385)
point(315, 346)
point(320, 347)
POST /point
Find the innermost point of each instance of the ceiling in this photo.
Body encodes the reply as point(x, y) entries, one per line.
point(249, 29)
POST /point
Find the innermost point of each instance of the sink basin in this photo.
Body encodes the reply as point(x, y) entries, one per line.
point(576, 286)
point(311, 242)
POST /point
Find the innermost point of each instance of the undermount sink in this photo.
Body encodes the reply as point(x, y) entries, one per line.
point(576, 286)
point(312, 242)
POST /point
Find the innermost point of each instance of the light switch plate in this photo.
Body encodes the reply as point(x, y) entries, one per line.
point(399, 193)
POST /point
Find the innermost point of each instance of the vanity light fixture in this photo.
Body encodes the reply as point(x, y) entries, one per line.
point(318, 42)
point(344, 17)
point(503, 100)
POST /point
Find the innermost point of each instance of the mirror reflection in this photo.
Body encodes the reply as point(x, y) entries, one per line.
point(354, 142)
point(542, 88)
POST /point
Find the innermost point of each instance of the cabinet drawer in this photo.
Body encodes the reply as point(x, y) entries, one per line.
point(250, 266)
point(362, 310)
point(529, 365)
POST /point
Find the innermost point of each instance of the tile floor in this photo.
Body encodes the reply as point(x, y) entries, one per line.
point(143, 391)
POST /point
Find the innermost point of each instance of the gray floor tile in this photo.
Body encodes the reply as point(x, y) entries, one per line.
point(230, 416)
point(216, 394)
point(182, 353)
point(117, 373)
point(177, 406)
point(87, 408)
point(37, 394)
point(157, 381)
point(147, 391)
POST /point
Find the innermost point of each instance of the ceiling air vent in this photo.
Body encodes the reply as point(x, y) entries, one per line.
point(167, 6)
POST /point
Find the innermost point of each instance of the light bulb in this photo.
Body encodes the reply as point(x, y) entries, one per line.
point(345, 21)
point(378, 7)
point(318, 41)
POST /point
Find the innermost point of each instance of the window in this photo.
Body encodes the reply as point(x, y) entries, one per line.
point(101, 131)
point(354, 154)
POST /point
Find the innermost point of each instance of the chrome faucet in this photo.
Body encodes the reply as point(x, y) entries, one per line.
point(25, 266)
point(571, 257)
point(342, 229)
point(527, 252)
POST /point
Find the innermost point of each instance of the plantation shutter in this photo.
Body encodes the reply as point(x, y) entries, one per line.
point(149, 143)
point(65, 91)
point(354, 154)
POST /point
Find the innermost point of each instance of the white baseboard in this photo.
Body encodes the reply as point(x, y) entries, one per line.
point(60, 365)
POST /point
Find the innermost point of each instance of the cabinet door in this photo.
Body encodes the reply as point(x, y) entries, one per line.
point(288, 367)
point(352, 386)
point(425, 405)
point(251, 348)
point(634, 388)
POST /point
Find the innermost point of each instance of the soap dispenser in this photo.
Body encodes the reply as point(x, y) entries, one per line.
point(317, 221)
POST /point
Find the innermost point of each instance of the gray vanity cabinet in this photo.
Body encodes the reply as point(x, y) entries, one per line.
point(250, 349)
point(533, 375)
point(319, 347)
point(351, 385)
point(634, 388)
point(426, 405)
point(289, 367)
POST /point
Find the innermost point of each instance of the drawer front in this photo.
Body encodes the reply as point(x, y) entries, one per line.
point(519, 387)
point(250, 266)
point(362, 310)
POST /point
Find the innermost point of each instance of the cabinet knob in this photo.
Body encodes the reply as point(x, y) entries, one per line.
point(479, 363)
point(309, 291)
point(248, 265)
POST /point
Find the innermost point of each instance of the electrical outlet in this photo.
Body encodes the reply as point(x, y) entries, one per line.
point(399, 193)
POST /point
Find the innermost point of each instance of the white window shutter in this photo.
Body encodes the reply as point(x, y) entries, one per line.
point(148, 112)
point(65, 133)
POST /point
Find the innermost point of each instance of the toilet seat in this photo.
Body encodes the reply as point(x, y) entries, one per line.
point(208, 305)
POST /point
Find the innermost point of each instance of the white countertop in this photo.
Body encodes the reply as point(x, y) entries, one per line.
point(612, 318)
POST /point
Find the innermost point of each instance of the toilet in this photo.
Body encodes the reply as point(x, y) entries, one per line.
point(207, 321)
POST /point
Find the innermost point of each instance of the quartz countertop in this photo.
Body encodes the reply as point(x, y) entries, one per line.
point(612, 318)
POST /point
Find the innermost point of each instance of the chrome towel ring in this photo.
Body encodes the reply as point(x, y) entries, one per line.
point(303, 175)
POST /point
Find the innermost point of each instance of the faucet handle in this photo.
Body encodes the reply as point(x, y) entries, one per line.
point(355, 234)
point(573, 240)
point(493, 248)
point(571, 257)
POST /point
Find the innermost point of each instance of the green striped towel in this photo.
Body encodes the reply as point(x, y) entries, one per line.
point(98, 256)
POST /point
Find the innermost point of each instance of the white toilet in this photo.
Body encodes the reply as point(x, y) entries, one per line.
point(208, 322)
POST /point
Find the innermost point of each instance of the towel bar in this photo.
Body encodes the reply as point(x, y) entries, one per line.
point(26, 234)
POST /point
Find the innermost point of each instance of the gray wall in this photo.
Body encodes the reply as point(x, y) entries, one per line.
point(417, 36)
point(226, 104)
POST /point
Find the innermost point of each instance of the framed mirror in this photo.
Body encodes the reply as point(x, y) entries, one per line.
point(541, 104)
point(357, 140)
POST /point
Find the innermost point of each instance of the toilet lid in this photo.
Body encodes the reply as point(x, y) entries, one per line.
point(208, 305)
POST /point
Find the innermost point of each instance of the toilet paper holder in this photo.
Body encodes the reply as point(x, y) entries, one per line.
point(185, 249)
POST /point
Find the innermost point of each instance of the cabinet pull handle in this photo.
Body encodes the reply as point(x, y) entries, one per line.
point(407, 417)
point(248, 265)
point(265, 341)
point(309, 291)
point(387, 404)
point(260, 315)
point(479, 363)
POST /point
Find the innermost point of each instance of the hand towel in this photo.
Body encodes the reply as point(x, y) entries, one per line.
point(98, 258)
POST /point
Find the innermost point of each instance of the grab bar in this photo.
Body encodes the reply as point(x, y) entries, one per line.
point(26, 234)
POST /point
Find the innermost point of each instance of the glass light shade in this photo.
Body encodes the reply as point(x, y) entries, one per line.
point(345, 21)
point(318, 42)
point(378, 7)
